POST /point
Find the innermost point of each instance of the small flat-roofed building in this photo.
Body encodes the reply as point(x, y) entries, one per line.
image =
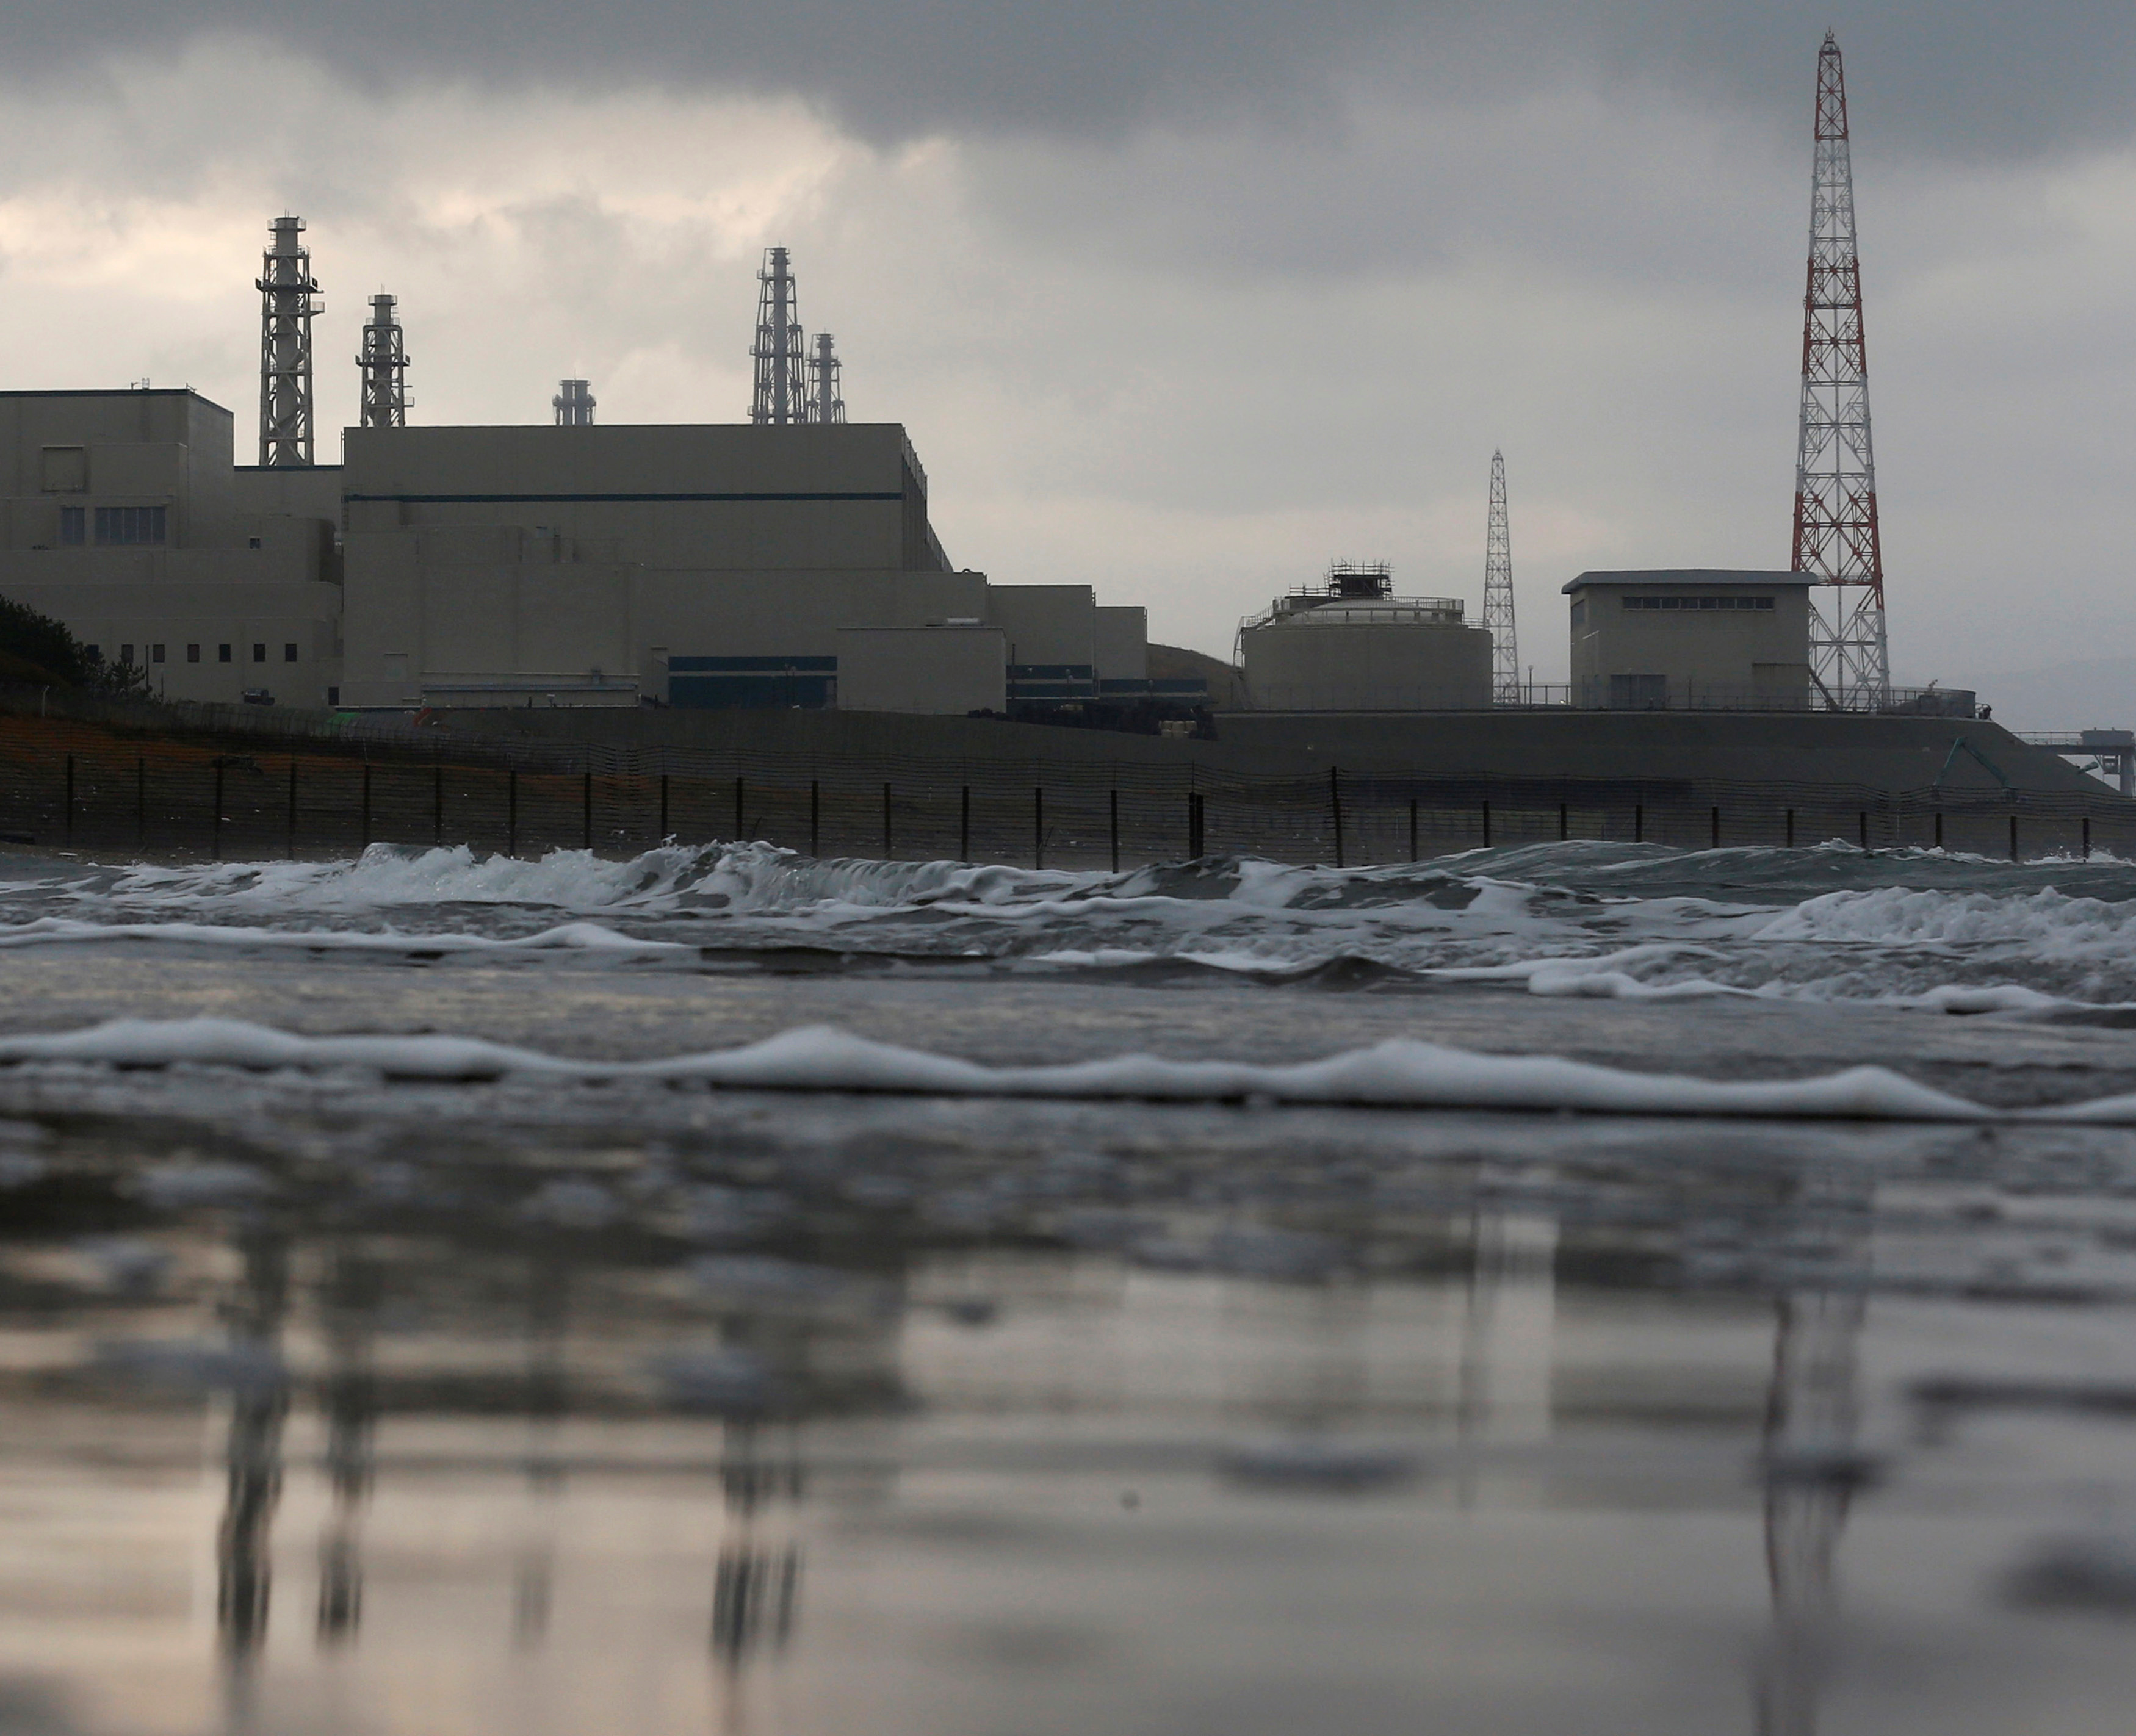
point(1690, 638)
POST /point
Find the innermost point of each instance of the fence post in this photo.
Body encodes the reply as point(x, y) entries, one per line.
point(366, 804)
point(2013, 835)
point(886, 822)
point(964, 825)
point(1412, 829)
point(1716, 828)
point(214, 827)
point(1487, 825)
point(512, 811)
point(1791, 828)
point(1194, 835)
point(1335, 809)
point(1038, 827)
point(1862, 819)
point(1639, 822)
point(586, 810)
point(2087, 837)
point(141, 803)
point(1939, 829)
point(815, 816)
point(293, 808)
point(741, 824)
point(664, 833)
point(68, 825)
point(1564, 822)
point(1113, 805)
point(437, 804)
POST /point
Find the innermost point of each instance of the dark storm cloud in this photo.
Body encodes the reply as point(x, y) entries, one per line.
point(1963, 77)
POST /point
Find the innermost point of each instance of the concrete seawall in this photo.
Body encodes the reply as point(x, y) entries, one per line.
point(1790, 748)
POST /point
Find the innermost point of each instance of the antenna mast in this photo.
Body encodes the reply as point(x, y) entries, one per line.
point(385, 365)
point(286, 289)
point(824, 403)
point(781, 395)
point(1498, 595)
point(1836, 533)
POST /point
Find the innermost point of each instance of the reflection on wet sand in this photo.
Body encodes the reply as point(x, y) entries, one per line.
point(1130, 1444)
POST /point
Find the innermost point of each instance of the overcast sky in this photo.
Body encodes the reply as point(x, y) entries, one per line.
point(1178, 298)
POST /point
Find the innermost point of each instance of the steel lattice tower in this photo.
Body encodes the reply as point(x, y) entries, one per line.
point(1835, 534)
point(573, 404)
point(824, 403)
point(286, 307)
point(1498, 595)
point(781, 394)
point(385, 365)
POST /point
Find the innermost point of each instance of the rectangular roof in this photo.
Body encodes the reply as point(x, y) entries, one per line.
point(1705, 578)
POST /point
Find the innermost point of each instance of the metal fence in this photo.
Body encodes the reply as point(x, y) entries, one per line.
point(67, 784)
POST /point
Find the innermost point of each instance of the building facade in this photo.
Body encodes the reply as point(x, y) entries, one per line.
point(1691, 639)
point(125, 516)
point(1350, 645)
point(578, 564)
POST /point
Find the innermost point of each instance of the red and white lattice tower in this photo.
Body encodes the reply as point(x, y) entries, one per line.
point(1836, 535)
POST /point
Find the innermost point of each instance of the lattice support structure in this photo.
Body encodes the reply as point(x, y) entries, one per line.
point(384, 363)
point(782, 383)
point(1498, 595)
point(573, 404)
point(286, 307)
point(1836, 536)
point(825, 404)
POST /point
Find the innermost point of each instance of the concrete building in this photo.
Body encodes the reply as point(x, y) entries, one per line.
point(1691, 639)
point(700, 565)
point(123, 516)
point(952, 670)
point(708, 566)
point(1350, 645)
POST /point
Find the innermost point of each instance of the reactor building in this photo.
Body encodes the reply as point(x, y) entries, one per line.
point(788, 561)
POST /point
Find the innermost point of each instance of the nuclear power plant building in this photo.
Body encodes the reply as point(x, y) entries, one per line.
point(716, 565)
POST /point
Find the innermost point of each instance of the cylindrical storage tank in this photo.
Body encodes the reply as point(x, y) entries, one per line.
point(1388, 655)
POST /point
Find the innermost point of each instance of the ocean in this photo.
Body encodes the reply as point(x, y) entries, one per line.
point(1587, 1286)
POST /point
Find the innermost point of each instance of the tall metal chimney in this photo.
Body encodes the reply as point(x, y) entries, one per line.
point(574, 404)
point(824, 403)
point(385, 365)
point(781, 394)
point(286, 289)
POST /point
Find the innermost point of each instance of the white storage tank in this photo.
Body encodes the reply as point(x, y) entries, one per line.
point(1349, 644)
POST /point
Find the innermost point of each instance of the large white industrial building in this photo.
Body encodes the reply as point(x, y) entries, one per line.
point(785, 561)
point(719, 565)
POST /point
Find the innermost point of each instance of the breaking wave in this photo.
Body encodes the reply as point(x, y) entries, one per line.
point(1923, 927)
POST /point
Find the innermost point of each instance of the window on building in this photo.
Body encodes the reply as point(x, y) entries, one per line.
point(156, 654)
point(126, 655)
point(1701, 603)
point(289, 653)
point(222, 653)
point(252, 542)
point(130, 526)
point(96, 652)
point(258, 653)
point(74, 525)
point(193, 653)
point(333, 695)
